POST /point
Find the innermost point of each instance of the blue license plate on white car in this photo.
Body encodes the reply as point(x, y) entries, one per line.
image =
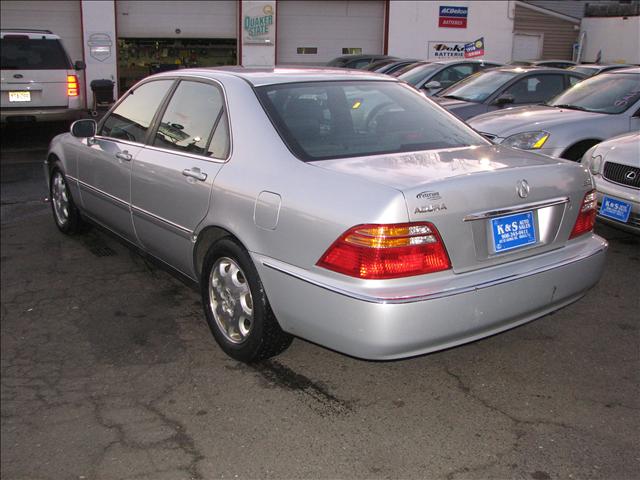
point(513, 231)
point(615, 209)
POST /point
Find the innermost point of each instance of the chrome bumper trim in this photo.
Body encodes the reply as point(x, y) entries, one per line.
point(518, 209)
point(288, 270)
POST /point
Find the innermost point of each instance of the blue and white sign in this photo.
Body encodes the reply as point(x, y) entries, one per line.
point(452, 17)
point(615, 209)
point(454, 11)
point(513, 231)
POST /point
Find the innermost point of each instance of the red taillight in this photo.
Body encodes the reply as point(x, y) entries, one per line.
point(387, 251)
point(587, 215)
point(72, 86)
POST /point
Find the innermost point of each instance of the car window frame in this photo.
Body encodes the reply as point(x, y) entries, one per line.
point(155, 124)
point(122, 99)
point(157, 117)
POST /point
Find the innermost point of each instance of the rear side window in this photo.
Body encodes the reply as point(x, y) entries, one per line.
point(132, 117)
point(451, 75)
point(325, 120)
point(28, 54)
point(536, 88)
point(195, 120)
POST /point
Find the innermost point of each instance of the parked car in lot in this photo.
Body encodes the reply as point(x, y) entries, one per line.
point(339, 206)
point(594, 69)
point(431, 77)
point(615, 165)
point(544, 63)
point(389, 65)
point(356, 61)
point(504, 87)
point(593, 110)
point(38, 81)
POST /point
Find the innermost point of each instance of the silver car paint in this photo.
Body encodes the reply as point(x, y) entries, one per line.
point(567, 127)
point(318, 201)
point(625, 150)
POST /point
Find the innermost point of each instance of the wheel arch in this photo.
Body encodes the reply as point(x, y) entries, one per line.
point(575, 151)
point(207, 237)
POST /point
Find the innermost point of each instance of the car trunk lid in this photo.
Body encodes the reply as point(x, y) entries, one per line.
point(473, 194)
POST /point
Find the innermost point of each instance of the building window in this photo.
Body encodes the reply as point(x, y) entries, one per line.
point(307, 50)
point(351, 51)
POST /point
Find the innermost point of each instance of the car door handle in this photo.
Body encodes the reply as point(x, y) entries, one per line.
point(124, 155)
point(194, 173)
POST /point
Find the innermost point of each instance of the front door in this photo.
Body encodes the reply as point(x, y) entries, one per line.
point(173, 176)
point(104, 164)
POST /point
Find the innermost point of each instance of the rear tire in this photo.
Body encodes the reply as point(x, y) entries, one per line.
point(236, 305)
point(65, 213)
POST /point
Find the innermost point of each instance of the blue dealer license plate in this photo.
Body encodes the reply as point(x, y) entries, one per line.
point(615, 209)
point(513, 231)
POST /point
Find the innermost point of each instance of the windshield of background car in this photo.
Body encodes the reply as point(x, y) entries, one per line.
point(605, 93)
point(586, 70)
point(36, 54)
point(326, 120)
point(478, 87)
point(415, 75)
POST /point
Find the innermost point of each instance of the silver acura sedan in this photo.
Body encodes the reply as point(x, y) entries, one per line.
point(339, 206)
point(593, 110)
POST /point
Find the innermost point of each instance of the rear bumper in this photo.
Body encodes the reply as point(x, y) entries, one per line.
point(8, 115)
point(385, 328)
point(626, 194)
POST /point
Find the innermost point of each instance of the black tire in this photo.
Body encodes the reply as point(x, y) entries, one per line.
point(65, 213)
point(253, 340)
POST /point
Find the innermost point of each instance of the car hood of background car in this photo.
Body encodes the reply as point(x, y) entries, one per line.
point(624, 149)
point(404, 170)
point(531, 118)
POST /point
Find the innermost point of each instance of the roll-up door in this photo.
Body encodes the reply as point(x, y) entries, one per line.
point(61, 17)
point(314, 32)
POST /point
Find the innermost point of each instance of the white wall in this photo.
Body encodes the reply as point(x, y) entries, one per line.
point(617, 37)
point(413, 24)
point(99, 23)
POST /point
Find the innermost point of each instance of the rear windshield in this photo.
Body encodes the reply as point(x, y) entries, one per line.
point(415, 75)
point(326, 120)
point(28, 54)
point(478, 87)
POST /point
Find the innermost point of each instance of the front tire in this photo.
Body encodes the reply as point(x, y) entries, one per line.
point(236, 305)
point(65, 212)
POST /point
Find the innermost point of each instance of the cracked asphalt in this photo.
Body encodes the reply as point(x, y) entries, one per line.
point(109, 371)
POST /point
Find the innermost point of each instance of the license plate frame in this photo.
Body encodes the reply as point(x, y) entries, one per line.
point(615, 209)
point(19, 96)
point(512, 232)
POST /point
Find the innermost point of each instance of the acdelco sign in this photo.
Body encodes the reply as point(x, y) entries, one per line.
point(453, 17)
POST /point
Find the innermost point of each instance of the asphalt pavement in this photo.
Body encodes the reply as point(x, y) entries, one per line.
point(109, 371)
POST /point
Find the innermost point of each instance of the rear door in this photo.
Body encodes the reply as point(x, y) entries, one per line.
point(34, 71)
point(173, 175)
point(104, 164)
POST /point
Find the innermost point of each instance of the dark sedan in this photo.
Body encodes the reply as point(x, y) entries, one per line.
point(357, 61)
point(505, 87)
point(431, 77)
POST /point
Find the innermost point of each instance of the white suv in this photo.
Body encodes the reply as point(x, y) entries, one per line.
point(39, 82)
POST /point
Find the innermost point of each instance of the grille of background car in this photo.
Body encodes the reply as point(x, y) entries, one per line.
point(617, 172)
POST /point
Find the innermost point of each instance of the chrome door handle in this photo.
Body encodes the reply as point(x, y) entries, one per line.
point(194, 173)
point(124, 155)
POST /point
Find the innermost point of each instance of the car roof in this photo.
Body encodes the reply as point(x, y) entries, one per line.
point(269, 76)
point(622, 71)
point(31, 34)
point(531, 68)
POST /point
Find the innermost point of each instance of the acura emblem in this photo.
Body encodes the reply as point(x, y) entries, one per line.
point(522, 187)
point(631, 175)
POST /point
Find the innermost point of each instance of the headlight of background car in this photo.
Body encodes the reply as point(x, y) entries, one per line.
point(592, 163)
point(527, 140)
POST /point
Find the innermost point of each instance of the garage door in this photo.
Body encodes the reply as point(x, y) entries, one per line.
point(314, 32)
point(149, 19)
point(527, 46)
point(61, 17)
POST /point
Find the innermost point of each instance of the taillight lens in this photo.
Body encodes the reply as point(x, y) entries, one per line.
point(387, 251)
point(72, 86)
point(587, 215)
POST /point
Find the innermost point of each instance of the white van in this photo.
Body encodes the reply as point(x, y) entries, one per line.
point(39, 82)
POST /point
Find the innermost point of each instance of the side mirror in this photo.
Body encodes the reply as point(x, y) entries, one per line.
point(79, 65)
point(84, 128)
point(433, 85)
point(504, 99)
